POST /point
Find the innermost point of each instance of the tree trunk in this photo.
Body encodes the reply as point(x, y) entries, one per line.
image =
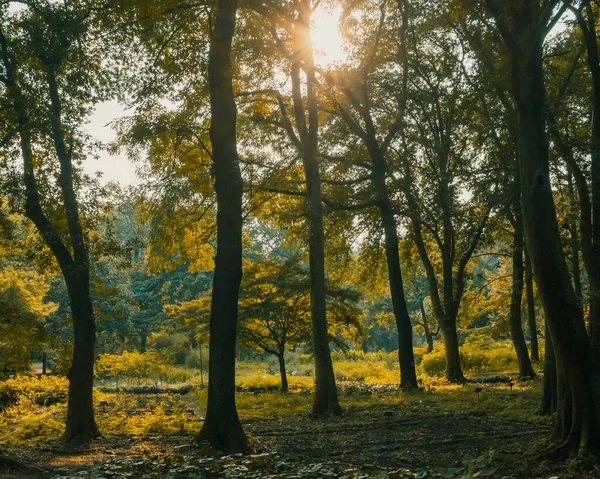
point(326, 399)
point(81, 425)
point(143, 339)
point(283, 372)
point(550, 380)
point(574, 243)
point(44, 363)
point(516, 329)
point(408, 375)
point(454, 371)
point(579, 400)
point(532, 323)
point(428, 333)
point(222, 427)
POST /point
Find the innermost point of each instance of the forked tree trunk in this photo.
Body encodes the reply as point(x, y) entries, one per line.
point(531, 321)
point(72, 259)
point(222, 427)
point(516, 329)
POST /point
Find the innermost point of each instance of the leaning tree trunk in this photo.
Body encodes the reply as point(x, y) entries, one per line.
point(222, 427)
point(578, 416)
point(531, 321)
point(408, 375)
point(516, 329)
point(72, 258)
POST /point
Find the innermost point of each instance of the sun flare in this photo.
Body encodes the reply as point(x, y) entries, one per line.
point(326, 37)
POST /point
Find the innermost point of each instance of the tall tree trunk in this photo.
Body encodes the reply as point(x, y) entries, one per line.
point(531, 321)
point(578, 416)
point(408, 375)
point(72, 258)
point(516, 329)
point(326, 398)
point(44, 363)
point(222, 427)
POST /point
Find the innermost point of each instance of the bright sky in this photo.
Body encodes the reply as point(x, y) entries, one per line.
point(326, 37)
point(113, 168)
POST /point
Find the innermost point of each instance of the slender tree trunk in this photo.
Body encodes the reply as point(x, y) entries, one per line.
point(222, 427)
point(408, 375)
point(533, 337)
point(44, 363)
point(428, 334)
point(326, 398)
point(516, 329)
point(283, 372)
point(143, 339)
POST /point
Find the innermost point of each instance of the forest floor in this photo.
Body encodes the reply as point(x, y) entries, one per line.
point(443, 431)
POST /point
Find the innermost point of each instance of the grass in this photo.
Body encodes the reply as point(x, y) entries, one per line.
point(366, 381)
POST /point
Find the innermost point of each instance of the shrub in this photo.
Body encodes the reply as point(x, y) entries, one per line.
point(34, 427)
point(434, 363)
point(476, 357)
point(348, 355)
point(41, 390)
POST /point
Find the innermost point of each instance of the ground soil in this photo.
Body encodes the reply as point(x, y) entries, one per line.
point(377, 439)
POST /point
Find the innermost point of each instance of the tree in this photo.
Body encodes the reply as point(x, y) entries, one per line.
point(50, 77)
point(295, 21)
point(523, 27)
point(222, 427)
point(22, 315)
point(275, 307)
point(449, 198)
point(355, 106)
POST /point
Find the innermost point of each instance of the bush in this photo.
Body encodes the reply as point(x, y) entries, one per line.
point(32, 428)
point(348, 355)
point(147, 390)
point(41, 390)
point(476, 357)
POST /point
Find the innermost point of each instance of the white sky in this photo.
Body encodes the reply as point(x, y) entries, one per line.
point(114, 168)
